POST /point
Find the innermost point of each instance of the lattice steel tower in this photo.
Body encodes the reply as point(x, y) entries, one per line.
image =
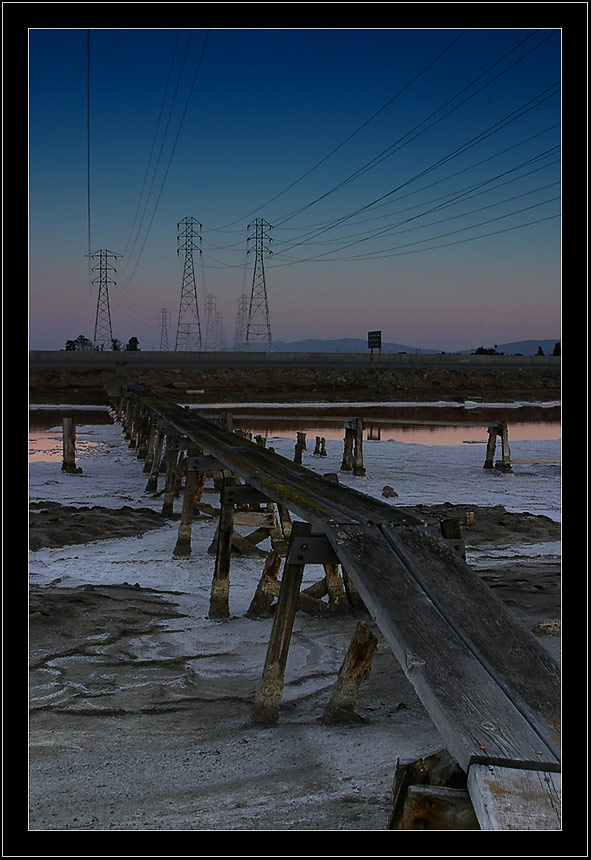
point(241, 320)
point(188, 332)
point(164, 318)
point(210, 329)
point(258, 326)
point(103, 333)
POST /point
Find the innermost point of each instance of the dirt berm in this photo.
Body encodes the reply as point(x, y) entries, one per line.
point(291, 383)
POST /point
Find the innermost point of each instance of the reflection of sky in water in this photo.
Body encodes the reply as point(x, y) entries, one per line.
point(415, 434)
point(45, 445)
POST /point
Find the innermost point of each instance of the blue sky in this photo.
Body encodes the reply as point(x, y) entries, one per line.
point(411, 177)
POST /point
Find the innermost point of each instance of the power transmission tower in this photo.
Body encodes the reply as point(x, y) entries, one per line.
point(188, 332)
point(220, 340)
point(258, 327)
point(103, 333)
point(164, 319)
point(241, 320)
point(210, 330)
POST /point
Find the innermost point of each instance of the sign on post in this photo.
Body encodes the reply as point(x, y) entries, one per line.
point(374, 341)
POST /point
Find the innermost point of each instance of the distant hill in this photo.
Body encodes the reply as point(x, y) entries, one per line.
point(344, 344)
point(350, 344)
point(520, 347)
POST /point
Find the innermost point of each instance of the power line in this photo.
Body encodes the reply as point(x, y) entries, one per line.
point(394, 147)
point(88, 152)
point(447, 244)
point(493, 129)
point(162, 103)
point(352, 135)
point(172, 153)
point(180, 74)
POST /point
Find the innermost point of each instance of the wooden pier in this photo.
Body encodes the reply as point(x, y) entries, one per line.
point(491, 689)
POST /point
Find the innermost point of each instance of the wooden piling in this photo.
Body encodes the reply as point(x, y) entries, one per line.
point(270, 688)
point(358, 467)
point(501, 430)
point(152, 484)
point(347, 462)
point(505, 465)
point(337, 596)
point(183, 544)
point(69, 447)
point(489, 462)
point(219, 602)
point(260, 605)
point(451, 530)
point(150, 447)
point(355, 669)
point(300, 447)
point(172, 456)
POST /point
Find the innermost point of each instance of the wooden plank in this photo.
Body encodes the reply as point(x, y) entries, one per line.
point(473, 714)
point(509, 651)
point(511, 799)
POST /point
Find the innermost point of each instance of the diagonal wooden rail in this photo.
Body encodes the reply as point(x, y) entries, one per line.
point(491, 689)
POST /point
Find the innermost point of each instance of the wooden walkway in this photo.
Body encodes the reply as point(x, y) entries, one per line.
point(491, 689)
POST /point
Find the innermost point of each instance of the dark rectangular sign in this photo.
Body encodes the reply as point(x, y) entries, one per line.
point(374, 339)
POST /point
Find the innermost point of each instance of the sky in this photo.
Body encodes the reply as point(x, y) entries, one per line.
point(407, 181)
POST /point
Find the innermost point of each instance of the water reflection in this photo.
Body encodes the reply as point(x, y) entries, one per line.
point(413, 425)
point(411, 433)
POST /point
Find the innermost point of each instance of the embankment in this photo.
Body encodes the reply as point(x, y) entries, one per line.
point(88, 378)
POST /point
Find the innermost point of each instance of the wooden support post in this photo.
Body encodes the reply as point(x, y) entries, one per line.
point(347, 463)
point(181, 468)
point(452, 532)
point(201, 476)
point(489, 461)
point(260, 606)
point(152, 484)
point(337, 596)
point(133, 432)
point(300, 447)
point(323, 447)
point(284, 521)
point(219, 602)
point(130, 409)
point(317, 447)
point(270, 689)
point(150, 445)
point(143, 433)
point(227, 420)
point(172, 456)
point(69, 447)
point(183, 544)
point(355, 669)
point(358, 467)
point(505, 464)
